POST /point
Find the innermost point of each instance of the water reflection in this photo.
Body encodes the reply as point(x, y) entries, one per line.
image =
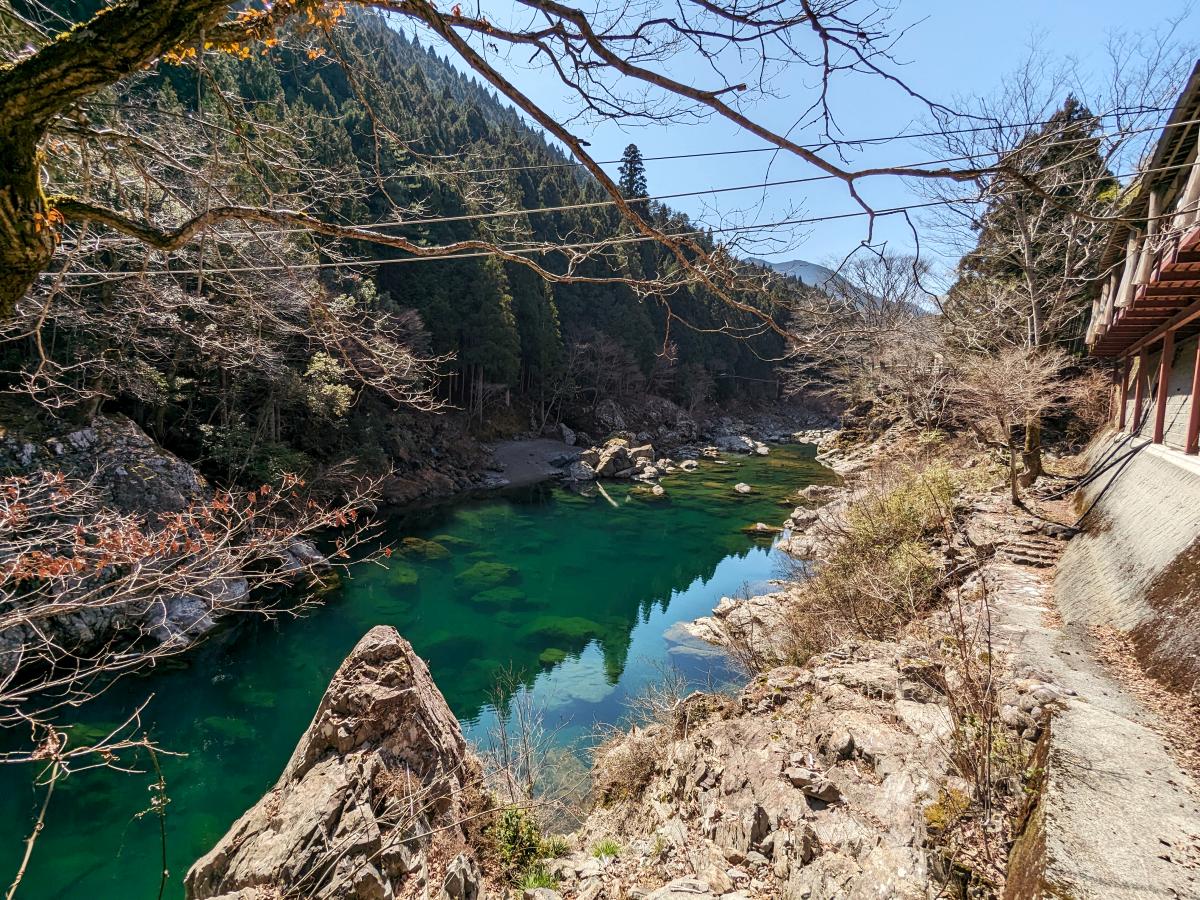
point(567, 590)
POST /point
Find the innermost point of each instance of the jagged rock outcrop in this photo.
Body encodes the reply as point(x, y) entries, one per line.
point(372, 802)
point(811, 783)
point(131, 471)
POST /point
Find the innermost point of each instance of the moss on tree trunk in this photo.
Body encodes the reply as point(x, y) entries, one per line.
point(116, 42)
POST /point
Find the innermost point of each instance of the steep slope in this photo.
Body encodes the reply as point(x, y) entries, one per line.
point(378, 129)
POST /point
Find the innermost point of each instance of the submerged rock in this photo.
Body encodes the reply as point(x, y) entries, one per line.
point(378, 782)
point(485, 575)
point(423, 549)
point(742, 488)
point(761, 529)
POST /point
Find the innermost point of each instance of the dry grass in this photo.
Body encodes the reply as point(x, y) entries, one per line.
point(624, 762)
point(879, 570)
point(624, 765)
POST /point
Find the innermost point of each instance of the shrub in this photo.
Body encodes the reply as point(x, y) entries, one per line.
point(518, 841)
point(881, 572)
point(877, 573)
point(537, 876)
point(606, 849)
point(623, 766)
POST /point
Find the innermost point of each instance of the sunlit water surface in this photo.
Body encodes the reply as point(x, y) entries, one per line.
point(575, 595)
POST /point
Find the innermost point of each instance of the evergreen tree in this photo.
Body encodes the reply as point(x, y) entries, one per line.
point(1033, 258)
point(633, 174)
point(507, 335)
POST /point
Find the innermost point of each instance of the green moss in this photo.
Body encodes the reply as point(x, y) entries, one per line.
point(327, 583)
point(502, 597)
point(949, 807)
point(485, 575)
point(402, 574)
point(452, 540)
point(254, 697)
point(423, 549)
point(646, 494)
point(229, 727)
point(552, 656)
point(572, 631)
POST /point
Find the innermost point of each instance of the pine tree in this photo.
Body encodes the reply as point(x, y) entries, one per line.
point(1031, 249)
point(633, 174)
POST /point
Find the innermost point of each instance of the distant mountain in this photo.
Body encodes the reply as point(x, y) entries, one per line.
point(810, 273)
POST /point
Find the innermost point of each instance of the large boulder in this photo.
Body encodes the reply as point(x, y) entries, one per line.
point(614, 458)
point(739, 443)
point(580, 471)
point(126, 472)
point(644, 453)
point(130, 471)
point(378, 786)
point(609, 416)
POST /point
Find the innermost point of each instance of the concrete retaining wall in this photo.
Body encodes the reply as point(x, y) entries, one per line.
point(1179, 396)
point(1136, 566)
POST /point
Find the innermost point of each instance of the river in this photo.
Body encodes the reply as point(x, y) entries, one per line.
point(570, 592)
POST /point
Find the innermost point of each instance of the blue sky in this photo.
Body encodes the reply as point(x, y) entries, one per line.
point(954, 47)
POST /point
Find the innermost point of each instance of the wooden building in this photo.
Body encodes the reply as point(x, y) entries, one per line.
point(1147, 314)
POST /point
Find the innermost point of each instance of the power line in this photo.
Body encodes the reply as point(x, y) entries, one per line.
point(823, 145)
point(532, 249)
point(595, 204)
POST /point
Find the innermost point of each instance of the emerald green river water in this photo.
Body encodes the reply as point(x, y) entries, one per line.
point(569, 591)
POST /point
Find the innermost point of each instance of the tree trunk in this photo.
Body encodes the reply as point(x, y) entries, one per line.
point(118, 41)
point(1013, 479)
point(27, 234)
point(1031, 456)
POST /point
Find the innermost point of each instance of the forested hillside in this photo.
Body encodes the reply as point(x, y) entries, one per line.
point(264, 329)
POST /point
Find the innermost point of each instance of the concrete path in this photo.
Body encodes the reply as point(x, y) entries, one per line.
point(1118, 818)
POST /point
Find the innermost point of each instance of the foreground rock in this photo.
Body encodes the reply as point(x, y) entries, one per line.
point(369, 804)
point(814, 782)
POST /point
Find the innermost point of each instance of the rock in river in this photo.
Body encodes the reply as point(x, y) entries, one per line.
point(371, 794)
point(580, 471)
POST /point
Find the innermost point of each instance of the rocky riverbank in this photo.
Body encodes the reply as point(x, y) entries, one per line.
point(127, 473)
point(660, 449)
point(858, 774)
